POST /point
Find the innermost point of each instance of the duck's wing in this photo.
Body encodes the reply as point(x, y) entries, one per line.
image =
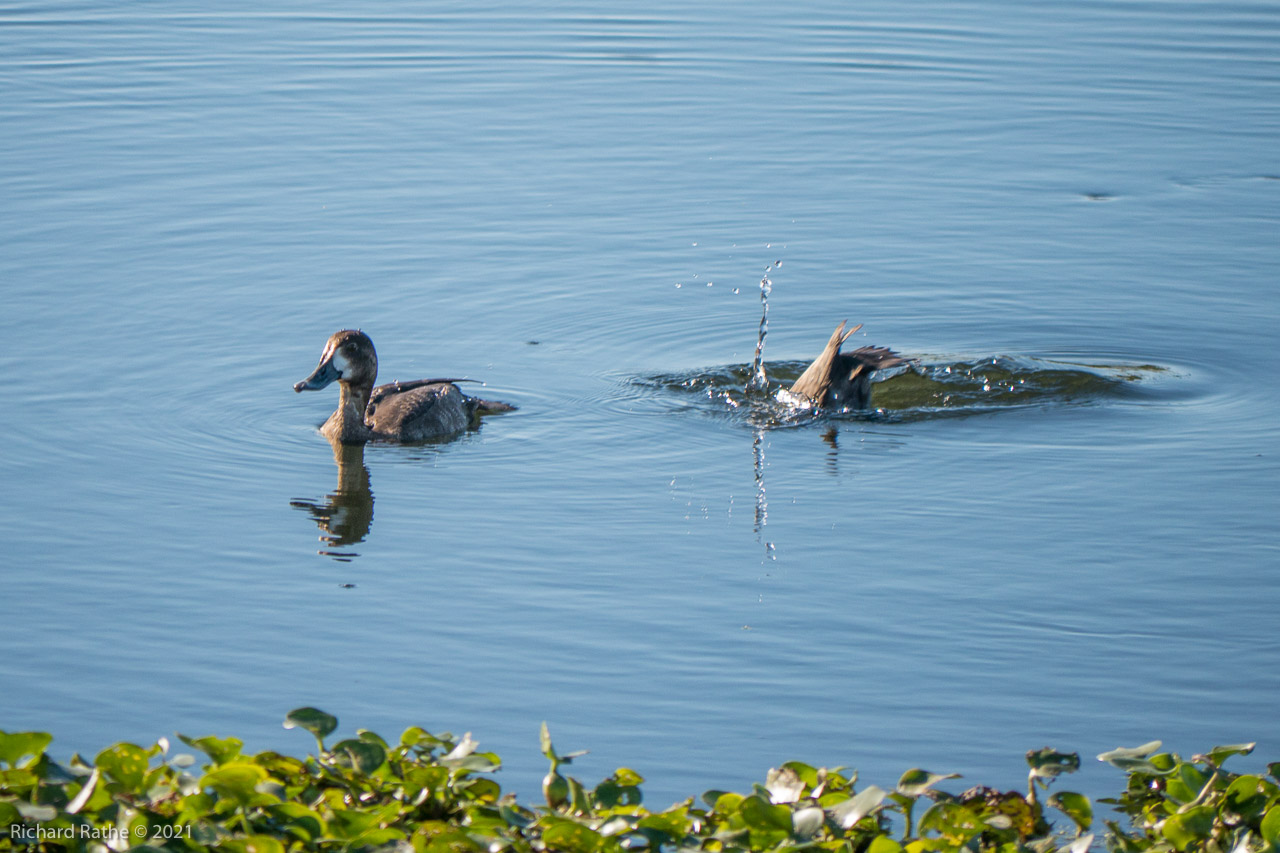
point(382, 391)
point(816, 380)
point(875, 358)
point(414, 411)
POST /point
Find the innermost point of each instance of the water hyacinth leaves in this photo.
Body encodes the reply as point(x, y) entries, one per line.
point(865, 802)
point(21, 749)
point(1075, 806)
point(1135, 758)
point(219, 750)
point(1196, 804)
point(558, 791)
point(320, 724)
point(427, 794)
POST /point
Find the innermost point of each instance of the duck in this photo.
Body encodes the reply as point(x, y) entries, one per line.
point(400, 411)
point(839, 380)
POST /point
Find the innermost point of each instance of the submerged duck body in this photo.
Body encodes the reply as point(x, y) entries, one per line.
point(843, 380)
point(400, 411)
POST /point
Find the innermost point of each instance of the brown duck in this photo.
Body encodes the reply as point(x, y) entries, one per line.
point(843, 380)
point(401, 411)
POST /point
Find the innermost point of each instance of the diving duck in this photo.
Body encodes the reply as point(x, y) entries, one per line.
point(401, 411)
point(843, 380)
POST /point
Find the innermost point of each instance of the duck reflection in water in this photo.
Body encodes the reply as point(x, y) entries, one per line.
point(346, 514)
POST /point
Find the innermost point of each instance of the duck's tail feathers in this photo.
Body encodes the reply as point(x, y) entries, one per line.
point(816, 379)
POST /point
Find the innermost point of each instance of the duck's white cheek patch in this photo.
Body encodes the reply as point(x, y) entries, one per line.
point(341, 364)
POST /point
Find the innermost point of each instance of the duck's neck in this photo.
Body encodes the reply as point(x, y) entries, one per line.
point(347, 423)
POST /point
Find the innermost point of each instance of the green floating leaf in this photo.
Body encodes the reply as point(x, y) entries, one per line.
point(627, 777)
point(418, 736)
point(1219, 754)
point(609, 794)
point(1271, 826)
point(349, 824)
point(299, 821)
point(36, 813)
point(515, 816)
point(237, 780)
point(544, 740)
point(1248, 796)
point(1189, 828)
point(865, 802)
point(219, 750)
point(555, 788)
point(1185, 785)
point(726, 803)
point(1127, 752)
point(313, 720)
point(674, 823)
point(884, 844)
point(916, 781)
point(954, 822)
point(250, 844)
point(86, 791)
point(763, 816)
point(362, 755)
point(1075, 806)
point(1135, 759)
point(572, 838)
point(14, 746)
point(126, 763)
point(1048, 763)
point(808, 822)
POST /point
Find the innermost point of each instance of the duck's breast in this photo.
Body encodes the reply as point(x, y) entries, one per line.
point(418, 411)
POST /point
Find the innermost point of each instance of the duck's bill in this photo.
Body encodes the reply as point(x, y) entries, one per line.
point(324, 374)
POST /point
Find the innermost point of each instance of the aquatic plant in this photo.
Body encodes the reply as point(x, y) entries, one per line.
point(432, 793)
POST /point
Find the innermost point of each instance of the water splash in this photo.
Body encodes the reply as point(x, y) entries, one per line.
point(758, 381)
point(927, 389)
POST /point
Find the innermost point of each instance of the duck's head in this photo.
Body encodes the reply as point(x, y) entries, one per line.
point(348, 358)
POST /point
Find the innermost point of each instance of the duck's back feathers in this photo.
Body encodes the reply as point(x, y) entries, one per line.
point(419, 410)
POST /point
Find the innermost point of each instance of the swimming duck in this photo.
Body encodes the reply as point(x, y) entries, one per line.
point(401, 411)
point(843, 380)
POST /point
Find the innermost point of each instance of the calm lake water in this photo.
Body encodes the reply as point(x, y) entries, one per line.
point(1070, 538)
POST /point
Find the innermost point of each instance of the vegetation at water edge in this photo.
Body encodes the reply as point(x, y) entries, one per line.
point(434, 793)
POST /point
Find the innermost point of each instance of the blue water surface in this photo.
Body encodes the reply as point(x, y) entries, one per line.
point(566, 201)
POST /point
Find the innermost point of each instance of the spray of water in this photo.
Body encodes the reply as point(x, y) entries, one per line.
point(758, 382)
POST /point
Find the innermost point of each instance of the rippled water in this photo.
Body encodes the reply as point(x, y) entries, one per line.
point(1056, 526)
